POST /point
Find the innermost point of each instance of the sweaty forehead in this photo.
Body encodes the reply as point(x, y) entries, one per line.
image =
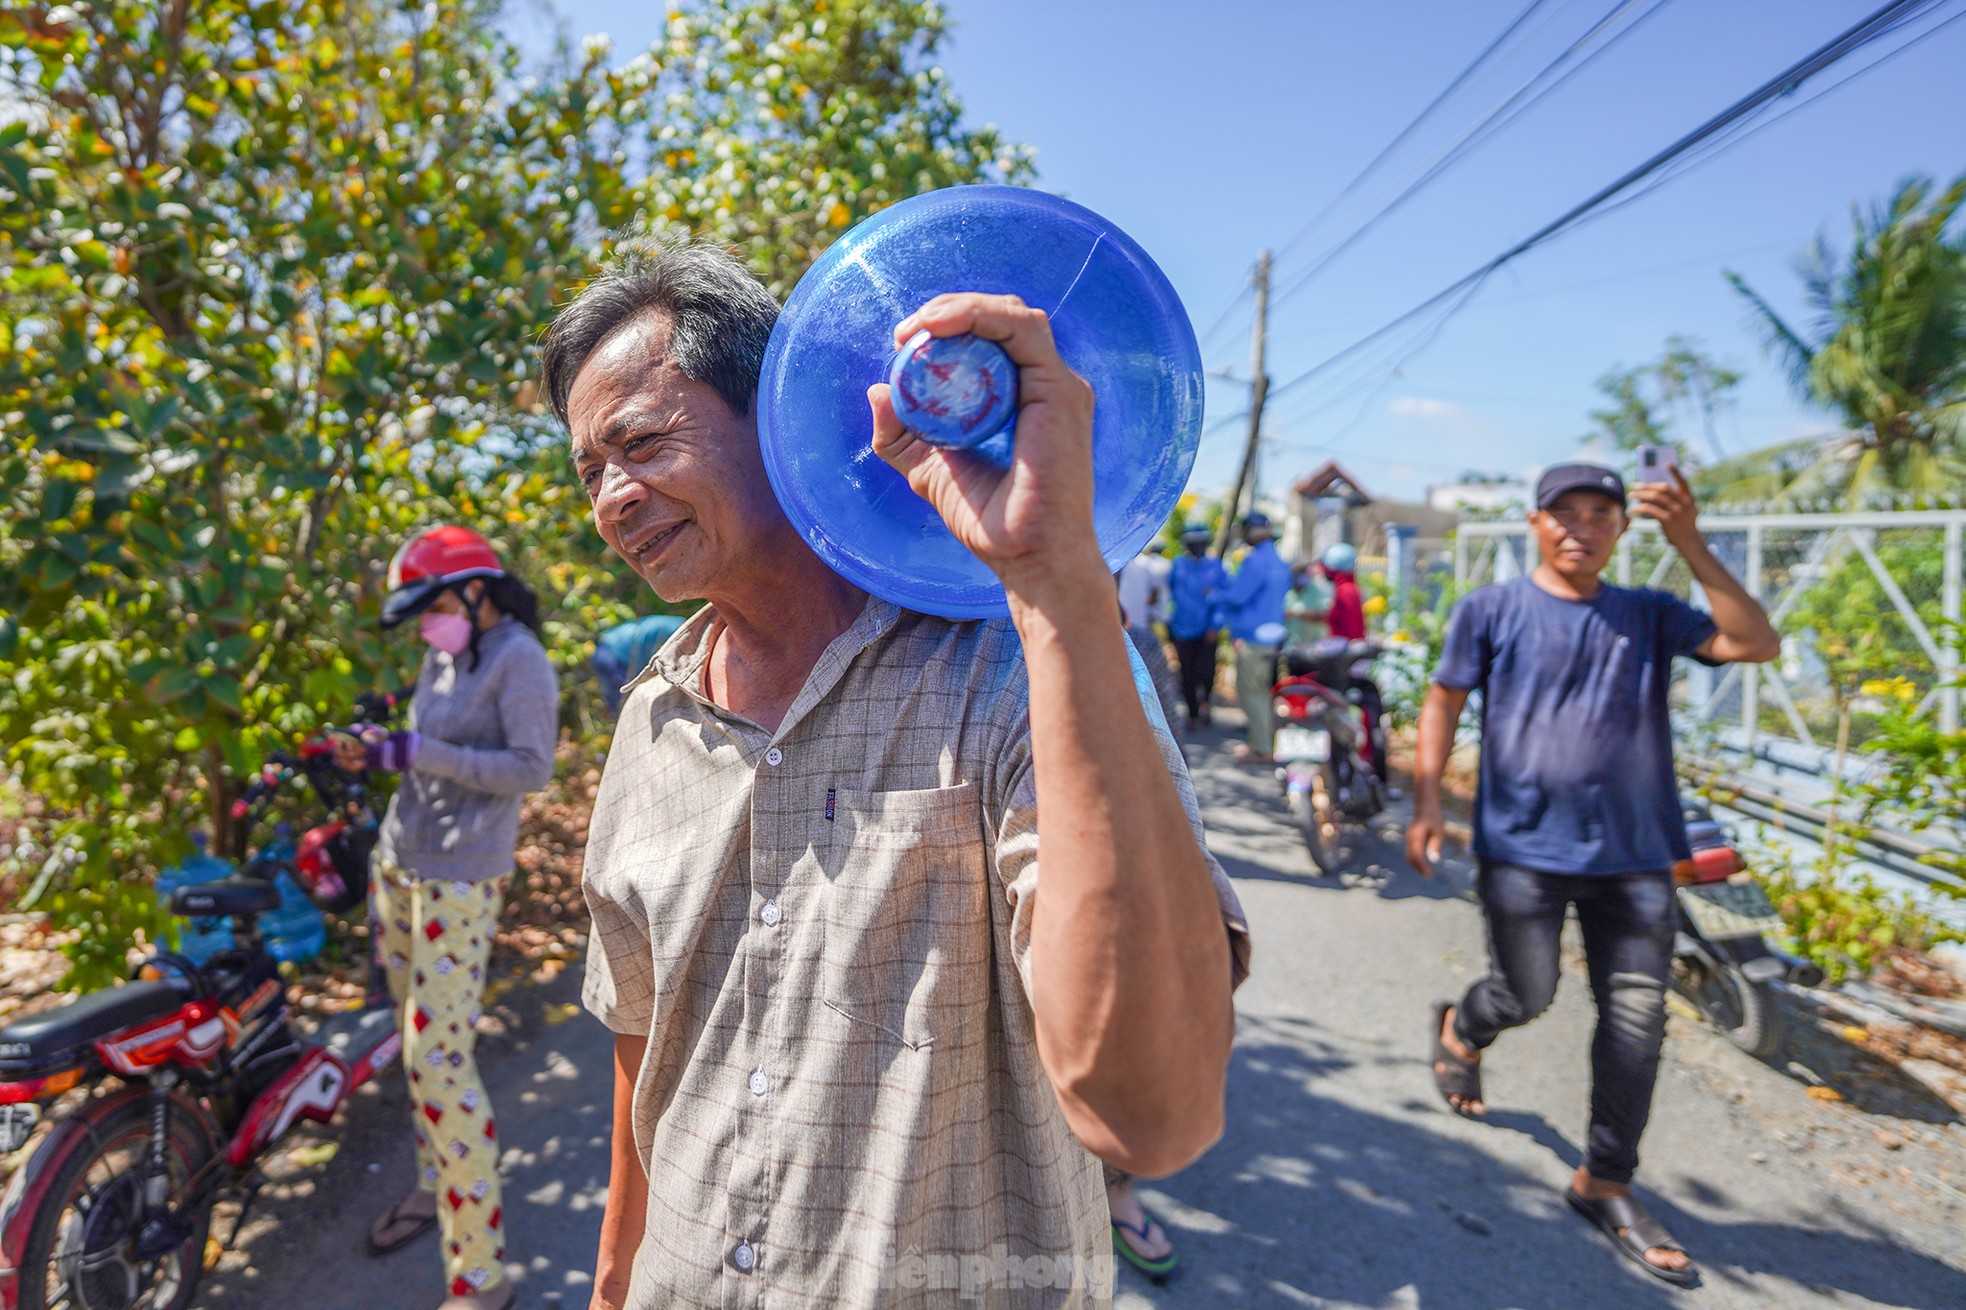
point(630, 367)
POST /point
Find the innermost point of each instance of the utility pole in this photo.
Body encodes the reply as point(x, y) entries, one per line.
point(1259, 387)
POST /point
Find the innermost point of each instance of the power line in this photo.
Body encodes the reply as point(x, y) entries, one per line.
point(1371, 378)
point(1741, 132)
point(1497, 120)
point(1216, 324)
point(1460, 80)
point(1879, 23)
point(1366, 456)
point(1735, 135)
point(1568, 288)
point(1224, 421)
point(1555, 402)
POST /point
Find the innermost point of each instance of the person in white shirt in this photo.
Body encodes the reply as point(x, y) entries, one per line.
point(1142, 583)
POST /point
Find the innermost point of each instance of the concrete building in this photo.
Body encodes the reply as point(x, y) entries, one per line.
point(1328, 505)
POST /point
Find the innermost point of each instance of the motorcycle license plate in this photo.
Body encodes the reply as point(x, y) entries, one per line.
point(1730, 909)
point(1312, 744)
point(17, 1125)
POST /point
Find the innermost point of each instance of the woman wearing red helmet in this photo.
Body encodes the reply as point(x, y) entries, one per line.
point(482, 725)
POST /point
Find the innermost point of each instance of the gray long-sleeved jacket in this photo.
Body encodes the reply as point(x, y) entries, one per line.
point(488, 738)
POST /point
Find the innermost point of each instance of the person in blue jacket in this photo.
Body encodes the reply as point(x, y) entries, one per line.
point(623, 651)
point(1254, 600)
point(1196, 583)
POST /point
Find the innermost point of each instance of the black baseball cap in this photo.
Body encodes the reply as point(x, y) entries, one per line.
point(1559, 478)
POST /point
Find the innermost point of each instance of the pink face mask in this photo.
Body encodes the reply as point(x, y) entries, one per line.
point(450, 633)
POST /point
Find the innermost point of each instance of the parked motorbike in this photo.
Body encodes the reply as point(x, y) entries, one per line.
point(191, 1072)
point(1327, 743)
point(1722, 960)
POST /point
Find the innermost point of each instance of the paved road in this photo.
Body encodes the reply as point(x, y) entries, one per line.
point(1341, 1181)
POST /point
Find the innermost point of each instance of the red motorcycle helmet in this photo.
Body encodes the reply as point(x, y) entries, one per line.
point(429, 562)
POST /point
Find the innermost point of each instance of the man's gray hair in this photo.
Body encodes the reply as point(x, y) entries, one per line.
point(719, 316)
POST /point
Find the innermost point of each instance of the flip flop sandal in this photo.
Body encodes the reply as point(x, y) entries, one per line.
point(1453, 1075)
point(1641, 1232)
point(395, 1230)
point(1158, 1270)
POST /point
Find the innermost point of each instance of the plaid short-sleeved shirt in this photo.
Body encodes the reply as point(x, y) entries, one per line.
point(825, 934)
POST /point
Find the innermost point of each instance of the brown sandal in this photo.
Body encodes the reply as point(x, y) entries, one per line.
point(402, 1223)
point(1454, 1076)
point(1633, 1230)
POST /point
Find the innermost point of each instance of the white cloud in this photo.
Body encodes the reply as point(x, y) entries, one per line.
point(1424, 407)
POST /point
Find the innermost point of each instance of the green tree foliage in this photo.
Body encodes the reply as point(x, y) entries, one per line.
point(1414, 650)
point(1643, 403)
point(1920, 784)
point(1630, 418)
point(1845, 923)
point(1853, 624)
point(775, 124)
point(1885, 352)
point(270, 277)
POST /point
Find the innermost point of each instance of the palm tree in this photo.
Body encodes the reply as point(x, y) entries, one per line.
point(1886, 351)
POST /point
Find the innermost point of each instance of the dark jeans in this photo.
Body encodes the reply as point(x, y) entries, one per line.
point(1628, 921)
point(1197, 656)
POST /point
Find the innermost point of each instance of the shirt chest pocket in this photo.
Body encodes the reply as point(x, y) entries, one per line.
point(907, 949)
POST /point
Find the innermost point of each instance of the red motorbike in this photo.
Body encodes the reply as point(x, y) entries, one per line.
point(1329, 742)
point(1724, 960)
point(154, 1100)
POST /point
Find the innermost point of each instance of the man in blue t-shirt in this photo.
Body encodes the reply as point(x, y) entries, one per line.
point(1577, 804)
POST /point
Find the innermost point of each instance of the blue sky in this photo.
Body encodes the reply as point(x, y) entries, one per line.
point(1211, 131)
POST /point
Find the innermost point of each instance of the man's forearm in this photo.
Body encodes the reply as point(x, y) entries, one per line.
point(627, 1208)
point(1435, 741)
point(1129, 958)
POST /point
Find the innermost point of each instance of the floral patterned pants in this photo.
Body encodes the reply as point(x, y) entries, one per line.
point(435, 939)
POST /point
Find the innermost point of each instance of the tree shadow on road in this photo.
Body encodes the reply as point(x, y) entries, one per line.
point(1338, 1203)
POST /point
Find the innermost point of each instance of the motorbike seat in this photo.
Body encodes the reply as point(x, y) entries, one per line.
point(1330, 661)
point(39, 1038)
point(236, 896)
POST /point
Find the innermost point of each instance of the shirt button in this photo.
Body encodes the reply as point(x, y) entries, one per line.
point(745, 1256)
point(774, 757)
point(758, 1082)
point(769, 914)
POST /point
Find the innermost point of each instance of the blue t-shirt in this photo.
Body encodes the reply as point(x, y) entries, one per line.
point(1254, 598)
point(1576, 744)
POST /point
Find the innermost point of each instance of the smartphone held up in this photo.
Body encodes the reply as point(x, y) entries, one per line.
point(1656, 464)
